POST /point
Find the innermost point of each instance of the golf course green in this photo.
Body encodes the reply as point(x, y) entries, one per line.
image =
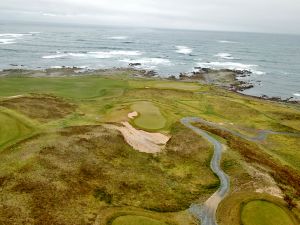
point(149, 116)
point(260, 212)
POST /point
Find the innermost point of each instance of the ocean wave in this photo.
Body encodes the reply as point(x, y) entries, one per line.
point(111, 54)
point(297, 94)
point(227, 42)
point(15, 35)
point(118, 37)
point(224, 55)
point(184, 50)
point(7, 41)
point(11, 38)
point(148, 63)
point(98, 54)
point(230, 66)
point(154, 61)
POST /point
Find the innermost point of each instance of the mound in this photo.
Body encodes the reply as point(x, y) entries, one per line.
point(42, 108)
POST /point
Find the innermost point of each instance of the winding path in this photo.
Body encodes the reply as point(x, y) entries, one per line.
point(206, 213)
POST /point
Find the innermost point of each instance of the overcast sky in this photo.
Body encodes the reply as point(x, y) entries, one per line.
point(280, 16)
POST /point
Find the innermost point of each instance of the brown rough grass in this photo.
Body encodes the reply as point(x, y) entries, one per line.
point(40, 107)
point(284, 175)
point(69, 176)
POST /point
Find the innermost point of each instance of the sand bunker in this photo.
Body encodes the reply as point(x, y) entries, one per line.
point(14, 96)
point(132, 115)
point(141, 140)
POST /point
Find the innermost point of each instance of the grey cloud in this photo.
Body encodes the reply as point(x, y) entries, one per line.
point(237, 15)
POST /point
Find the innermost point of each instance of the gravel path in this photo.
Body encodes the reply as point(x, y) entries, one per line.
point(206, 213)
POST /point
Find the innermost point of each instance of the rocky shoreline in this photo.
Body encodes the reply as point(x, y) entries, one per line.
point(225, 78)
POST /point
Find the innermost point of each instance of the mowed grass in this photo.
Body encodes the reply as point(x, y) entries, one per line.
point(12, 128)
point(150, 117)
point(69, 87)
point(136, 220)
point(264, 213)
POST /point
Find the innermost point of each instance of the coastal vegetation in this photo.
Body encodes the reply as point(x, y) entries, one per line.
point(61, 164)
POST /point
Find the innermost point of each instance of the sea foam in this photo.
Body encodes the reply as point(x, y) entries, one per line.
point(118, 37)
point(184, 50)
point(149, 63)
point(11, 38)
point(227, 42)
point(7, 41)
point(98, 54)
point(224, 55)
point(230, 66)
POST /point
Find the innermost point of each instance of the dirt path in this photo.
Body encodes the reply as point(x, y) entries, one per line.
point(206, 213)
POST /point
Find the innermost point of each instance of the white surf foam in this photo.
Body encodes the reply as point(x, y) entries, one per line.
point(98, 54)
point(118, 37)
point(54, 56)
point(224, 55)
point(227, 42)
point(148, 63)
point(230, 66)
point(111, 54)
point(184, 50)
point(11, 38)
point(297, 94)
point(6, 41)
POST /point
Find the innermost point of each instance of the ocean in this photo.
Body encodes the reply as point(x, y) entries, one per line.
point(273, 59)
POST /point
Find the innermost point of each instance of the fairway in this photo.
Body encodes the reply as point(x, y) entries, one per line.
point(260, 212)
point(11, 128)
point(68, 87)
point(136, 220)
point(149, 116)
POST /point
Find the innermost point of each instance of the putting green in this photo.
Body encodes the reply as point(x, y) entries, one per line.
point(136, 220)
point(149, 116)
point(260, 212)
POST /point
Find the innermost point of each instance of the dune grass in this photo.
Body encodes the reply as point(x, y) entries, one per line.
point(264, 213)
point(85, 168)
point(286, 148)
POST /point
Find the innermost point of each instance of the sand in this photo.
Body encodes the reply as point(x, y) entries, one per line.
point(140, 140)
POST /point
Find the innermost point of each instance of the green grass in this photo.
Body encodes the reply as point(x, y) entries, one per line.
point(69, 87)
point(12, 127)
point(136, 220)
point(90, 169)
point(149, 117)
point(264, 213)
point(286, 148)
